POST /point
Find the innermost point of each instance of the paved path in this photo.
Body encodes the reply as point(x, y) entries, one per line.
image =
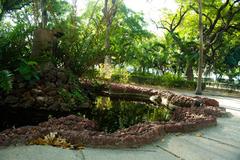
point(217, 143)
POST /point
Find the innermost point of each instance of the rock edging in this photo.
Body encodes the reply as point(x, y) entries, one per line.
point(80, 131)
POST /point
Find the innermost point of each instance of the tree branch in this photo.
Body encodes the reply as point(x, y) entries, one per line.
point(161, 27)
point(180, 19)
point(218, 16)
point(205, 15)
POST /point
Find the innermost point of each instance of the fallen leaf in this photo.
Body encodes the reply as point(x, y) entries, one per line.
point(199, 134)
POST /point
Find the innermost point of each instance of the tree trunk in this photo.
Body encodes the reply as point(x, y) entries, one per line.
point(44, 13)
point(200, 63)
point(109, 13)
point(107, 60)
point(189, 72)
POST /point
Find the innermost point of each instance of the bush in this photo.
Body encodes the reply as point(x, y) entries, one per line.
point(120, 75)
point(168, 80)
point(14, 44)
point(73, 97)
point(171, 80)
point(6, 80)
point(159, 114)
point(145, 79)
point(28, 71)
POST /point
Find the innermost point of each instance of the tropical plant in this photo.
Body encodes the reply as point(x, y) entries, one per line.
point(28, 71)
point(6, 78)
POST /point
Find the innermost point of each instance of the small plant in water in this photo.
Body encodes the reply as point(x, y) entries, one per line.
point(159, 114)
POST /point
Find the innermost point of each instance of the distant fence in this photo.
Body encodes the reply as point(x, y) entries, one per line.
point(226, 86)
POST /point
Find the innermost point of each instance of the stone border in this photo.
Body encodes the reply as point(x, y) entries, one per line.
point(80, 131)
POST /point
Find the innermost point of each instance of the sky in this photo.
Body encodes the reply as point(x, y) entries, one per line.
point(149, 8)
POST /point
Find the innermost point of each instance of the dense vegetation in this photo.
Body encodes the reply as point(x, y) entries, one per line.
point(111, 32)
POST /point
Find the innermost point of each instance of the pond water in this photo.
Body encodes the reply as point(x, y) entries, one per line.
point(113, 115)
point(17, 117)
point(110, 115)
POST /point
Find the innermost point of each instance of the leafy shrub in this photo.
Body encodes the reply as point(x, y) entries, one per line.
point(104, 72)
point(6, 80)
point(14, 43)
point(28, 71)
point(120, 75)
point(82, 47)
point(171, 80)
point(78, 95)
point(72, 97)
point(159, 114)
point(167, 80)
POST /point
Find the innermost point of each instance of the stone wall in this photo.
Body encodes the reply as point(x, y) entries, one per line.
point(45, 94)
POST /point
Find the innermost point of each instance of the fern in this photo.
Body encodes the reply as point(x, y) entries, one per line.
point(6, 80)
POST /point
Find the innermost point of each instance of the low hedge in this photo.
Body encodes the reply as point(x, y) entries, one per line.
point(168, 80)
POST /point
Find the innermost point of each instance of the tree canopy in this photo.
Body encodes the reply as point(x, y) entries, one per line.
point(80, 40)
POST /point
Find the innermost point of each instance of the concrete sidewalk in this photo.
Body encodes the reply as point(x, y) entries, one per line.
point(217, 143)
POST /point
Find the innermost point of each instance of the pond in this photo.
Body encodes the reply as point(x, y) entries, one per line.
point(113, 115)
point(110, 115)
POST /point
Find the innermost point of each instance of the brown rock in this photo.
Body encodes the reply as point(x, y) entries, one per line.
point(59, 83)
point(29, 102)
point(62, 77)
point(50, 101)
point(50, 87)
point(55, 106)
point(52, 93)
point(21, 85)
point(38, 92)
point(65, 107)
point(211, 102)
point(11, 99)
point(26, 95)
point(41, 99)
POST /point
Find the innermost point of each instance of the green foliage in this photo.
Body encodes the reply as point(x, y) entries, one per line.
point(14, 44)
point(82, 47)
point(28, 71)
point(171, 80)
point(159, 114)
point(168, 80)
point(120, 75)
point(6, 80)
point(73, 97)
point(233, 58)
point(6, 6)
point(79, 96)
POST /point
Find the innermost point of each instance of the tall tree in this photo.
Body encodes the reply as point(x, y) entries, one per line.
point(109, 11)
point(43, 4)
point(200, 63)
point(186, 46)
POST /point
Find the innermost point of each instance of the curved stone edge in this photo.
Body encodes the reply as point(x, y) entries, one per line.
point(134, 136)
point(190, 126)
point(118, 139)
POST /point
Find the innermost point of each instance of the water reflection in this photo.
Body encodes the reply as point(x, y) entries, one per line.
point(112, 115)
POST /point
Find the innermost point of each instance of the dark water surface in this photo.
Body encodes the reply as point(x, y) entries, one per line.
point(110, 115)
